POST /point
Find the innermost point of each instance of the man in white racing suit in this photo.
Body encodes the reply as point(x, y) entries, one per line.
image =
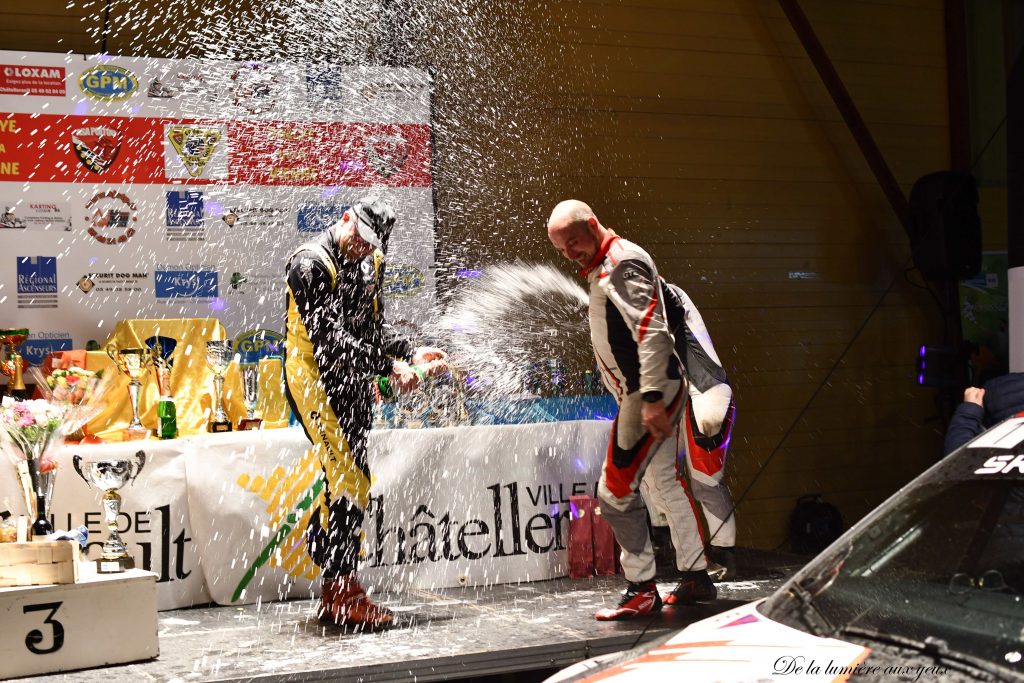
point(640, 367)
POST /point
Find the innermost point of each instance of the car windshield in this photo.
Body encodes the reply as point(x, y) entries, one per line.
point(942, 559)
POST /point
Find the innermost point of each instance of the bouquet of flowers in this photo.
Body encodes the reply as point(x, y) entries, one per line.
point(76, 392)
point(28, 431)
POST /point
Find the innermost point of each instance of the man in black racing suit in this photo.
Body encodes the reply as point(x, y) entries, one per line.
point(337, 340)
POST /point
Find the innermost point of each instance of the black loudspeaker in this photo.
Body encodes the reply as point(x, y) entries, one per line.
point(945, 229)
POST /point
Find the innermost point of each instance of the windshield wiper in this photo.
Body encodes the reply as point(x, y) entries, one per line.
point(937, 648)
point(803, 603)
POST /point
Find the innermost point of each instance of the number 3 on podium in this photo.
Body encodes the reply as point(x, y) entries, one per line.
point(35, 637)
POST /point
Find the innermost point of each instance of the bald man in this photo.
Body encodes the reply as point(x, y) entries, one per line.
point(640, 367)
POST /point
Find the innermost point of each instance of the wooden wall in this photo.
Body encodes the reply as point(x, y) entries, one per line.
point(699, 129)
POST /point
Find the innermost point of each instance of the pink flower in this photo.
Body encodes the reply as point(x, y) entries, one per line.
point(47, 464)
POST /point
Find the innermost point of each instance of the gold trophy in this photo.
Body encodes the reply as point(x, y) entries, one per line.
point(13, 364)
point(218, 358)
point(250, 389)
point(109, 476)
point(133, 362)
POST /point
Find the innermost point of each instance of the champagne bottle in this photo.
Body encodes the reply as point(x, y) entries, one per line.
point(167, 417)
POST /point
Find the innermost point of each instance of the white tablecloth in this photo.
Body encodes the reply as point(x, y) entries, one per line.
point(222, 516)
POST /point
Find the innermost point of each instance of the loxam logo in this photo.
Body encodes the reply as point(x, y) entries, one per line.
point(1002, 464)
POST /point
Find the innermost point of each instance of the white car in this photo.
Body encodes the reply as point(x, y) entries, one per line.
point(928, 587)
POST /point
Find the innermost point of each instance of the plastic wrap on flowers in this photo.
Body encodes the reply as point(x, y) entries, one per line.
point(77, 393)
point(29, 431)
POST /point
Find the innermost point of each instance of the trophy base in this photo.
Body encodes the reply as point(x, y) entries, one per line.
point(249, 423)
point(135, 434)
point(115, 565)
point(217, 427)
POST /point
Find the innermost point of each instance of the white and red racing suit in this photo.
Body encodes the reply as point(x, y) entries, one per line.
point(637, 358)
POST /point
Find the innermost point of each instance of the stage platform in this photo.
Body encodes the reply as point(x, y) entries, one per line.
point(450, 634)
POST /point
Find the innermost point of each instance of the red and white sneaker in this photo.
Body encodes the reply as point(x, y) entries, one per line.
point(639, 600)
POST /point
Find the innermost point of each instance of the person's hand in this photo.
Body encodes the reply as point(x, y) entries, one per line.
point(425, 354)
point(655, 420)
point(403, 377)
point(974, 395)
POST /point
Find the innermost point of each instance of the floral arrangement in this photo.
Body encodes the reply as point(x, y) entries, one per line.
point(28, 429)
point(73, 385)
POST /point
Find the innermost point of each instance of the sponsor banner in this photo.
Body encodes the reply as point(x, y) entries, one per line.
point(185, 282)
point(27, 79)
point(37, 281)
point(253, 345)
point(185, 218)
point(318, 217)
point(113, 282)
point(448, 507)
point(35, 215)
point(111, 217)
point(75, 149)
point(108, 83)
point(39, 345)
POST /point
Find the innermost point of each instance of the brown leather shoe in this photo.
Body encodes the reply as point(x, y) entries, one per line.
point(343, 602)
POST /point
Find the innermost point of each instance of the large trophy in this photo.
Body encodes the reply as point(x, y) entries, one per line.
point(133, 362)
point(13, 365)
point(250, 387)
point(218, 358)
point(109, 476)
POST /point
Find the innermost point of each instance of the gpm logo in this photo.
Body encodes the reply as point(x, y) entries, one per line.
point(108, 83)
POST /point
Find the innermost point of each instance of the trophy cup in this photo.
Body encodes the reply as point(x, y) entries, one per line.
point(132, 362)
point(250, 386)
point(109, 476)
point(218, 358)
point(13, 364)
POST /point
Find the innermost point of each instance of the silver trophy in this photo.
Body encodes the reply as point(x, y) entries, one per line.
point(250, 395)
point(109, 476)
point(218, 358)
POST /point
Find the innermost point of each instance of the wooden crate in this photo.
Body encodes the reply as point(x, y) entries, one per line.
point(38, 563)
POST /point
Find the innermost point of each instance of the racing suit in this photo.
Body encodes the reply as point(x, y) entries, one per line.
point(708, 418)
point(336, 341)
point(637, 361)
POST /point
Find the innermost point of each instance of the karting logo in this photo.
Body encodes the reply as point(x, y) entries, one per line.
point(185, 209)
point(112, 217)
point(96, 147)
point(108, 83)
point(318, 217)
point(186, 284)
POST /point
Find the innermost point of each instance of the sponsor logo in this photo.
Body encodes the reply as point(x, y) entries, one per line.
point(172, 84)
point(113, 282)
point(108, 83)
point(402, 280)
point(253, 345)
point(112, 217)
point(337, 83)
point(19, 79)
point(96, 147)
point(254, 88)
point(387, 153)
point(185, 284)
point(261, 217)
point(161, 90)
point(1002, 464)
point(245, 283)
point(194, 145)
point(36, 215)
point(318, 217)
point(37, 281)
point(185, 216)
point(41, 344)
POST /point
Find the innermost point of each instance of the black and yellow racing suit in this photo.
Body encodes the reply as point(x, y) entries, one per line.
point(337, 340)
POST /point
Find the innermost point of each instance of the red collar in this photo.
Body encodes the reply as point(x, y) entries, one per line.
point(601, 253)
